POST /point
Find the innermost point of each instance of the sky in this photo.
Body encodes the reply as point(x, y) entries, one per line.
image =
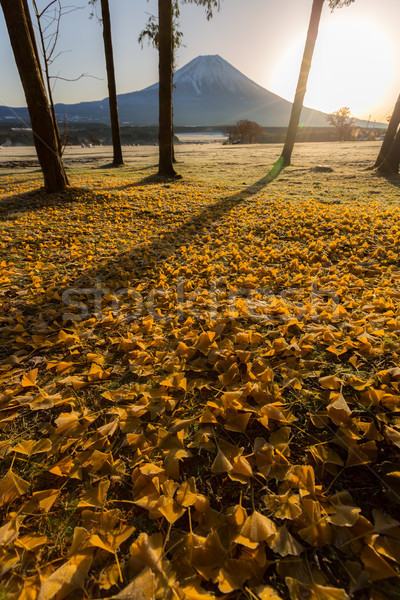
point(356, 59)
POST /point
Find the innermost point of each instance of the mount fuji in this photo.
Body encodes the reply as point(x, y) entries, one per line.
point(207, 91)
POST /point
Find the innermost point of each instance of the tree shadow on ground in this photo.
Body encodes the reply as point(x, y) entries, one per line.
point(393, 180)
point(13, 205)
point(125, 167)
point(150, 180)
point(139, 261)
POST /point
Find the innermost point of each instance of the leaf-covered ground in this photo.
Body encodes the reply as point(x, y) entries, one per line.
point(200, 385)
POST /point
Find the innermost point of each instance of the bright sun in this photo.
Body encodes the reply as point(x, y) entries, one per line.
point(352, 66)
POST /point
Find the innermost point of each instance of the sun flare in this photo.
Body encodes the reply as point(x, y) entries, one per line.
point(353, 66)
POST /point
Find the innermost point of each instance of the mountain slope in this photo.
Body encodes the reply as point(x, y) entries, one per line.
point(208, 91)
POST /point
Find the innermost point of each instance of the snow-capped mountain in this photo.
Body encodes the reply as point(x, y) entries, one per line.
point(207, 91)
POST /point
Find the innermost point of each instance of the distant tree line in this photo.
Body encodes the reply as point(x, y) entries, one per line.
point(101, 134)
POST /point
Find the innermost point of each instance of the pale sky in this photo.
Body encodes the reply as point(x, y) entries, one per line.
point(356, 61)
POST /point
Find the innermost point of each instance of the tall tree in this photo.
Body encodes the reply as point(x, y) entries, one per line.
point(165, 74)
point(151, 32)
point(302, 82)
point(112, 89)
point(20, 31)
point(166, 37)
point(297, 106)
point(389, 136)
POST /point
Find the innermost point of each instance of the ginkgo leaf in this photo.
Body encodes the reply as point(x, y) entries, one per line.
point(11, 487)
point(284, 506)
point(111, 539)
point(330, 382)
point(142, 587)
point(67, 578)
point(195, 592)
point(256, 528)
point(284, 543)
point(170, 509)
point(109, 576)
point(221, 464)
point(314, 591)
point(338, 410)
point(8, 560)
point(186, 494)
point(384, 523)
point(147, 551)
point(325, 455)
point(30, 447)
point(207, 554)
point(388, 547)
point(10, 530)
point(393, 435)
point(45, 499)
point(375, 565)
point(233, 575)
point(343, 516)
point(205, 340)
point(29, 379)
point(95, 497)
point(31, 541)
point(266, 592)
point(303, 477)
point(236, 515)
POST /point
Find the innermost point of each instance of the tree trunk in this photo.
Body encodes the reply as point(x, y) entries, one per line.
point(165, 74)
point(31, 32)
point(390, 164)
point(17, 22)
point(46, 63)
point(302, 82)
point(112, 90)
point(389, 135)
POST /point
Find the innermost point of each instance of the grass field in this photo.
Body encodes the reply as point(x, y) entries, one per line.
point(200, 379)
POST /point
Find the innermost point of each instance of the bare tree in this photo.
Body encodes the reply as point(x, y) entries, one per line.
point(112, 88)
point(391, 163)
point(20, 31)
point(297, 106)
point(48, 23)
point(151, 33)
point(390, 136)
point(165, 36)
point(48, 45)
point(165, 73)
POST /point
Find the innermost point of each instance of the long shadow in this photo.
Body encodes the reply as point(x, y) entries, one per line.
point(272, 174)
point(138, 260)
point(392, 179)
point(13, 205)
point(125, 166)
point(149, 180)
point(189, 231)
